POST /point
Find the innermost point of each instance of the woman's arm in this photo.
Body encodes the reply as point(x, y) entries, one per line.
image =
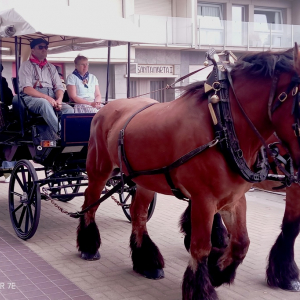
point(97, 101)
point(71, 89)
point(97, 94)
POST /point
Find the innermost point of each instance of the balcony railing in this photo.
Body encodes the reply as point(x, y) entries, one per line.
point(247, 34)
point(167, 30)
point(173, 31)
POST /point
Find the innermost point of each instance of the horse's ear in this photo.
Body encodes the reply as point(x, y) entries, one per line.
point(297, 58)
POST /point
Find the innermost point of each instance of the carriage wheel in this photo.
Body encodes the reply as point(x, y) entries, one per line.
point(24, 200)
point(63, 191)
point(126, 199)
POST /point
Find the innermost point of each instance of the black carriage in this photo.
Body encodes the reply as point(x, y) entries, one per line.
point(46, 169)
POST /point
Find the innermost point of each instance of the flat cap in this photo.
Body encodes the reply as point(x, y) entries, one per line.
point(35, 42)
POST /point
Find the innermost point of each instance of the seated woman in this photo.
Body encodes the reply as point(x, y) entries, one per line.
point(83, 87)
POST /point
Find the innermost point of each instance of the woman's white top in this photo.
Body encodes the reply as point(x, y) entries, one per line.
point(81, 91)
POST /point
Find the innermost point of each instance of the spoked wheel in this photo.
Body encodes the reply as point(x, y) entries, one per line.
point(126, 199)
point(57, 188)
point(24, 199)
point(127, 195)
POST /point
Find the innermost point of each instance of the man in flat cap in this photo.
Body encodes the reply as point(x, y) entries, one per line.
point(41, 86)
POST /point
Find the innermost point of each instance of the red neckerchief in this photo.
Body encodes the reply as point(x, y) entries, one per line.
point(33, 59)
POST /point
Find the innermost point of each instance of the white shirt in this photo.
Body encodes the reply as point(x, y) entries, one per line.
point(81, 91)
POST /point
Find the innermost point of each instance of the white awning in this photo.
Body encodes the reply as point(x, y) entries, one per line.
point(69, 26)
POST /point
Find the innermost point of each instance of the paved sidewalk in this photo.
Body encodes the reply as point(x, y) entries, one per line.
point(53, 250)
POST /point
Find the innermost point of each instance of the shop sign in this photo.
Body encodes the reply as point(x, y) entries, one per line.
point(155, 69)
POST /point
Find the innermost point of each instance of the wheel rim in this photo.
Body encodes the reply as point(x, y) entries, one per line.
point(24, 199)
point(63, 191)
point(126, 199)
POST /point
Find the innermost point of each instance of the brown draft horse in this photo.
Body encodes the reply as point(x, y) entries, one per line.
point(282, 270)
point(162, 133)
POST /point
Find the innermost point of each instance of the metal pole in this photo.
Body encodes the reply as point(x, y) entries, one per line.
point(17, 79)
point(128, 72)
point(1, 91)
point(292, 35)
point(19, 52)
point(271, 40)
point(107, 72)
point(3, 112)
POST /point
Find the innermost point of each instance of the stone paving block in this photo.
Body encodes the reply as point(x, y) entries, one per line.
point(55, 242)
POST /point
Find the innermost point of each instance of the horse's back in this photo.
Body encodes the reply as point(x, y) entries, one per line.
point(108, 122)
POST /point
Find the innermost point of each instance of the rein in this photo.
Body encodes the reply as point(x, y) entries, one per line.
point(172, 86)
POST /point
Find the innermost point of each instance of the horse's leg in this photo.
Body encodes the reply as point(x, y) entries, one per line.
point(219, 234)
point(223, 264)
point(146, 257)
point(196, 281)
point(282, 270)
point(88, 236)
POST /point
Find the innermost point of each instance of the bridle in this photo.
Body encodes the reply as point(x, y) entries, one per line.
point(273, 105)
point(294, 88)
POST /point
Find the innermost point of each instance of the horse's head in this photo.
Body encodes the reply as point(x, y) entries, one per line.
point(285, 108)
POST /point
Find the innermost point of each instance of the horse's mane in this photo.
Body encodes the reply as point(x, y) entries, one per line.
point(194, 89)
point(254, 64)
point(263, 63)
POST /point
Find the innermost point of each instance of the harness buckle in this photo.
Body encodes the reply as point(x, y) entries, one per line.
point(282, 97)
point(214, 143)
point(296, 129)
point(216, 86)
point(295, 91)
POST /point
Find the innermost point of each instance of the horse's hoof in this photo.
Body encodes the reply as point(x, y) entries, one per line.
point(152, 274)
point(88, 256)
point(293, 286)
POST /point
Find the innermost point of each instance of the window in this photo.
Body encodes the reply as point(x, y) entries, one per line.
point(268, 26)
point(266, 19)
point(210, 15)
point(238, 13)
point(133, 90)
point(238, 26)
point(157, 95)
point(210, 24)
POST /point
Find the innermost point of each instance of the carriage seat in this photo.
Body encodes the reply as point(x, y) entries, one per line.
point(21, 110)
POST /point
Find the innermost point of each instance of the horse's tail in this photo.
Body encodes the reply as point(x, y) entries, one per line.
point(185, 221)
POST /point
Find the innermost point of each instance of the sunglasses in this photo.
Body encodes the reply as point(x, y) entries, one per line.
point(43, 47)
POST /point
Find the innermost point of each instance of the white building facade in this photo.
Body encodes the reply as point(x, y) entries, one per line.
point(183, 30)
